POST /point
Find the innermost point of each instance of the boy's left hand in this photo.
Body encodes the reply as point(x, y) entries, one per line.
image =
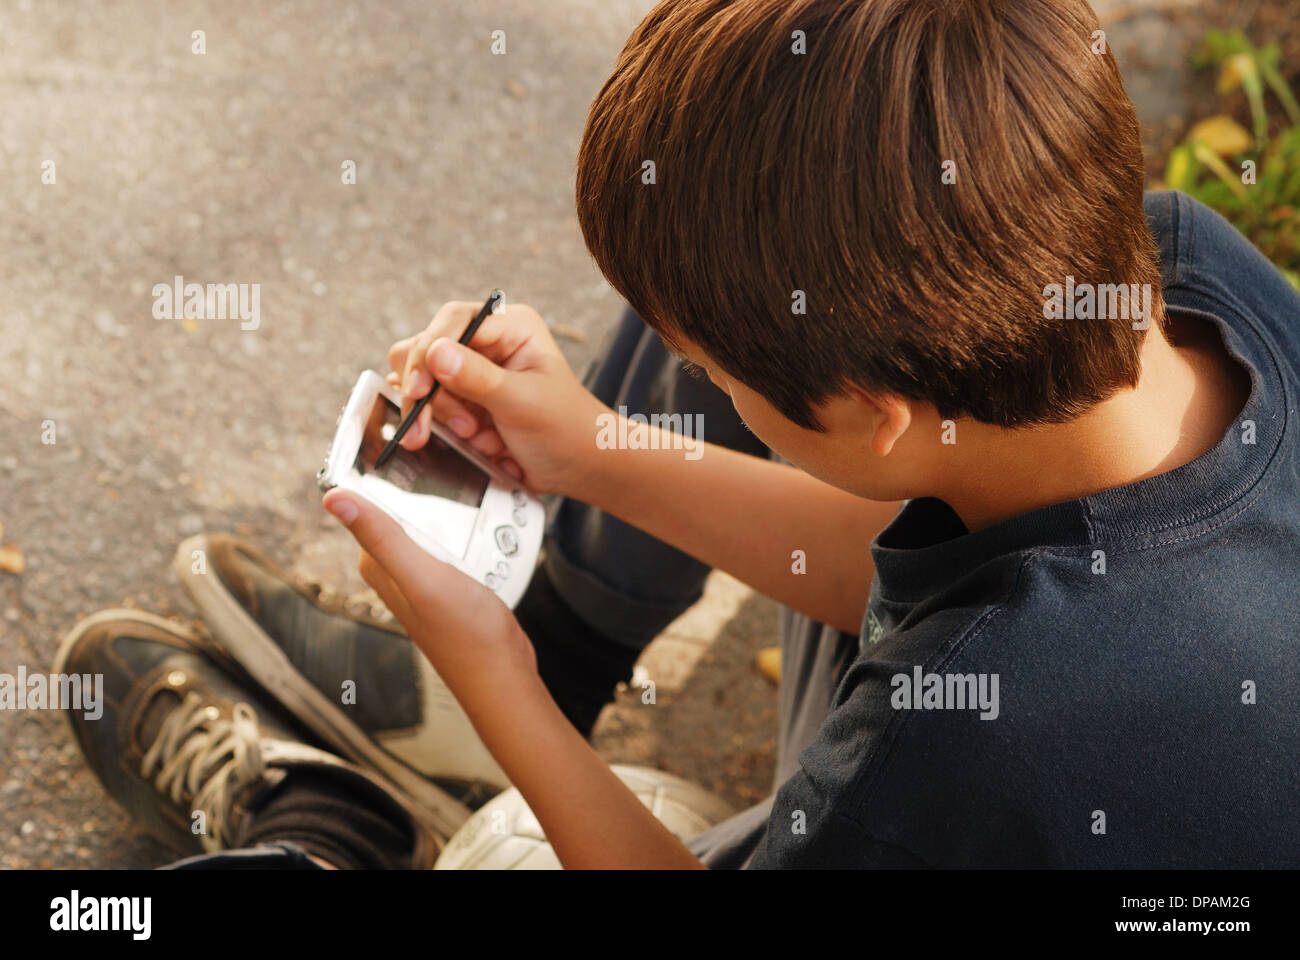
point(471, 637)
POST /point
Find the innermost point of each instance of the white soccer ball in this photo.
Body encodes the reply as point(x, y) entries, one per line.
point(504, 835)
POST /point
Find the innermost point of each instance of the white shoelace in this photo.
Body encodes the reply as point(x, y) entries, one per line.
point(211, 757)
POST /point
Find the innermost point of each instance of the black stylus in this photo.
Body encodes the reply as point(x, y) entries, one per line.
point(489, 306)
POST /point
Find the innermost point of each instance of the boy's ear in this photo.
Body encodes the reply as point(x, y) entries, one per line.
point(889, 417)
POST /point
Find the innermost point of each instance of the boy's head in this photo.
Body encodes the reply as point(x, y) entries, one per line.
point(838, 201)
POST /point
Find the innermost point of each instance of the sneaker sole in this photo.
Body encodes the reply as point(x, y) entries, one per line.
point(247, 643)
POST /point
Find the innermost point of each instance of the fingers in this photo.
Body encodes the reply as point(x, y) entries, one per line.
point(413, 572)
point(476, 374)
point(378, 580)
point(432, 599)
point(407, 357)
point(418, 435)
point(469, 374)
point(498, 338)
point(460, 417)
point(397, 357)
point(416, 381)
point(488, 442)
point(465, 423)
point(472, 382)
point(450, 320)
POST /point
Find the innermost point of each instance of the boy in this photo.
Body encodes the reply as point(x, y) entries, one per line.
point(908, 240)
point(1079, 641)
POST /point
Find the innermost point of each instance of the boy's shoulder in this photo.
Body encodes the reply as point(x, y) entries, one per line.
point(1027, 734)
point(1053, 690)
point(1207, 264)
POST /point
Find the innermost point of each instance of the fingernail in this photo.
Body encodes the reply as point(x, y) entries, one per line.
point(447, 360)
point(344, 510)
point(460, 425)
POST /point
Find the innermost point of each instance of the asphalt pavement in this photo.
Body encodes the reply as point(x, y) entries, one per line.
point(127, 159)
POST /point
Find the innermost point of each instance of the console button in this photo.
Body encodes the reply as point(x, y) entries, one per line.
point(502, 570)
point(491, 581)
point(518, 498)
point(519, 517)
point(507, 539)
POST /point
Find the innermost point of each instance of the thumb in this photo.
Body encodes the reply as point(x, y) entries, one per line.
point(469, 374)
point(383, 538)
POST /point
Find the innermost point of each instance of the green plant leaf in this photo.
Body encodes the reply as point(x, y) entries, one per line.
point(1277, 83)
point(1221, 170)
point(1181, 170)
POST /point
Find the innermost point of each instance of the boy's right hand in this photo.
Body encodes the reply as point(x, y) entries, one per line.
point(510, 394)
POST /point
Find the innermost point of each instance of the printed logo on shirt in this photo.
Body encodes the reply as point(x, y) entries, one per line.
point(875, 629)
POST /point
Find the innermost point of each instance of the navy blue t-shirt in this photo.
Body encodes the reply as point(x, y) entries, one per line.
point(1143, 643)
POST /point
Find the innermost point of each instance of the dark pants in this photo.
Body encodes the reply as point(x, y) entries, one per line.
point(629, 586)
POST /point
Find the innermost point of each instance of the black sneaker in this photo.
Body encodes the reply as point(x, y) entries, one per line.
point(205, 766)
point(345, 671)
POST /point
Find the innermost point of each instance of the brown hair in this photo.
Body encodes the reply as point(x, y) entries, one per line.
point(777, 171)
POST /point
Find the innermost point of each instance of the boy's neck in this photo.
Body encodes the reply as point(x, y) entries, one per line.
point(1189, 392)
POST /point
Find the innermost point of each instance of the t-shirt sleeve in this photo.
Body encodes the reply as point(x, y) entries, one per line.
point(807, 831)
point(816, 817)
point(885, 787)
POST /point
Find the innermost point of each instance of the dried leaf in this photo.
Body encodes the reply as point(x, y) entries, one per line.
point(1223, 135)
point(11, 559)
point(769, 663)
point(1234, 69)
